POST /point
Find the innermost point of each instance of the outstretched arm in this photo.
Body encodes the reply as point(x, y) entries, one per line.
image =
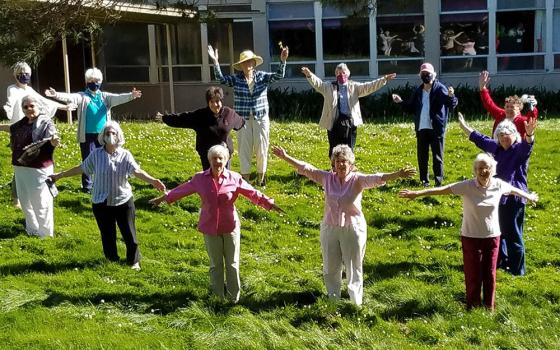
point(144, 176)
point(436, 191)
point(533, 196)
point(77, 170)
point(405, 173)
point(463, 124)
point(282, 154)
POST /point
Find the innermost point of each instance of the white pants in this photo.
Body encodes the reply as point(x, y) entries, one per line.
point(344, 245)
point(253, 137)
point(224, 250)
point(35, 199)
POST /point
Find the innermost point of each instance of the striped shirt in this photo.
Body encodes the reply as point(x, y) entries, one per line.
point(110, 174)
point(253, 101)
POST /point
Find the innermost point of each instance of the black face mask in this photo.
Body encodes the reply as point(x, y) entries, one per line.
point(426, 77)
point(23, 78)
point(93, 86)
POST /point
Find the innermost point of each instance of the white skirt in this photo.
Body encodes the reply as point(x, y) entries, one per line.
point(35, 199)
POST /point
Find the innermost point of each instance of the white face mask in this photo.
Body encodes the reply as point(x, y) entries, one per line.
point(110, 139)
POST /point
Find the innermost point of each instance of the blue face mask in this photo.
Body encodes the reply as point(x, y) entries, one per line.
point(93, 86)
point(23, 78)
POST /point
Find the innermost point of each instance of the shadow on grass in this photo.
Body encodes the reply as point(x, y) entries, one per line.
point(77, 205)
point(47, 267)
point(12, 231)
point(407, 225)
point(383, 271)
point(413, 309)
point(280, 299)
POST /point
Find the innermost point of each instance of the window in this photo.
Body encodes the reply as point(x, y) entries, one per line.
point(186, 52)
point(556, 34)
point(520, 35)
point(400, 36)
point(292, 24)
point(230, 38)
point(134, 66)
point(463, 36)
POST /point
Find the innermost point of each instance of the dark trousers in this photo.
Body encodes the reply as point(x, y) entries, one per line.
point(124, 216)
point(337, 136)
point(426, 139)
point(512, 249)
point(86, 148)
point(480, 258)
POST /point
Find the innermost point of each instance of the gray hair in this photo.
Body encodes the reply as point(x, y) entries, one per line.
point(31, 98)
point(506, 127)
point(485, 158)
point(218, 150)
point(94, 74)
point(20, 67)
point(115, 126)
point(342, 67)
point(343, 152)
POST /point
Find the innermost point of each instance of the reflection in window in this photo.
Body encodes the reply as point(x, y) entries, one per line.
point(293, 70)
point(464, 34)
point(345, 38)
point(186, 52)
point(520, 31)
point(134, 66)
point(357, 69)
point(471, 64)
point(400, 67)
point(294, 25)
point(520, 63)
point(556, 31)
point(400, 36)
point(464, 5)
point(400, 7)
point(241, 37)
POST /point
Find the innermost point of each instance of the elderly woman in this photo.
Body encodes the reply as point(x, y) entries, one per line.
point(250, 101)
point(211, 124)
point(341, 108)
point(218, 189)
point(94, 110)
point(113, 203)
point(480, 231)
point(512, 155)
point(344, 228)
point(512, 108)
point(15, 93)
point(31, 171)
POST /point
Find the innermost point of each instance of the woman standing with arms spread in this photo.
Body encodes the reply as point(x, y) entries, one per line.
point(112, 200)
point(33, 193)
point(94, 110)
point(218, 189)
point(250, 88)
point(344, 227)
point(480, 231)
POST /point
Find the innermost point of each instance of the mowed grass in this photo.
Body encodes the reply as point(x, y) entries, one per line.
point(61, 293)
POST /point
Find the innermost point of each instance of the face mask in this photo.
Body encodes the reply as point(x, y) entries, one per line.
point(23, 78)
point(93, 86)
point(110, 139)
point(426, 77)
point(342, 78)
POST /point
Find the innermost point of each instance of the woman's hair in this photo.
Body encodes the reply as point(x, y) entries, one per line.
point(111, 124)
point(342, 67)
point(94, 74)
point(20, 67)
point(218, 150)
point(214, 91)
point(485, 158)
point(516, 100)
point(506, 127)
point(342, 152)
point(30, 98)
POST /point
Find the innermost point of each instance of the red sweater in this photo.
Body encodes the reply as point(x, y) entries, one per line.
point(499, 114)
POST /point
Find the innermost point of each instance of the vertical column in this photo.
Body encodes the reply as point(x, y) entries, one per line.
point(205, 58)
point(549, 57)
point(66, 73)
point(320, 66)
point(432, 40)
point(153, 72)
point(373, 69)
point(170, 68)
point(492, 59)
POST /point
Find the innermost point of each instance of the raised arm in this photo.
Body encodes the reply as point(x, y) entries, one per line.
point(463, 124)
point(530, 127)
point(485, 97)
point(144, 176)
point(315, 82)
point(228, 80)
point(436, 191)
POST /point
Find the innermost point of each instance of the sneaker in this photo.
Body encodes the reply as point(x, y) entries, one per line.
point(16, 204)
point(425, 184)
point(136, 267)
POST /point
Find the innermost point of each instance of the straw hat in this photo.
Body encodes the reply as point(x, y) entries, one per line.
point(246, 56)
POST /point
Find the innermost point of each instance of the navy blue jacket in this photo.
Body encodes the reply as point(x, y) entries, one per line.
point(440, 103)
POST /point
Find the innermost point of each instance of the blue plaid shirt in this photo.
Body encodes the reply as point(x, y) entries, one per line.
point(246, 103)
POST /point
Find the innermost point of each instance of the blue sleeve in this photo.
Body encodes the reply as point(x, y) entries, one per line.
point(484, 142)
point(269, 78)
point(227, 79)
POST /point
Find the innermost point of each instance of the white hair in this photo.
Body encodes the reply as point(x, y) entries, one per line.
point(342, 67)
point(20, 67)
point(94, 74)
point(111, 124)
point(488, 160)
point(343, 152)
point(218, 150)
point(507, 127)
point(30, 98)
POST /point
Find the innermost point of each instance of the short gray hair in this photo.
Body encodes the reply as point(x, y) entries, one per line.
point(115, 126)
point(218, 150)
point(344, 152)
point(94, 74)
point(342, 67)
point(30, 98)
point(506, 127)
point(485, 158)
point(20, 67)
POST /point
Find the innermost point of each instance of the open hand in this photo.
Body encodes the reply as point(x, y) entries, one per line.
point(483, 79)
point(279, 152)
point(50, 92)
point(408, 194)
point(396, 98)
point(407, 172)
point(136, 93)
point(390, 76)
point(306, 72)
point(213, 53)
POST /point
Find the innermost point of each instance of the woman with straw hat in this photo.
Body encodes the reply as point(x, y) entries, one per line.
point(250, 88)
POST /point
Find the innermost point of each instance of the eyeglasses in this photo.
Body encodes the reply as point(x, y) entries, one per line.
point(28, 106)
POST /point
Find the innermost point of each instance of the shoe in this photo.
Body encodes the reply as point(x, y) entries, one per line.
point(425, 184)
point(263, 183)
point(136, 267)
point(86, 190)
point(16, 204)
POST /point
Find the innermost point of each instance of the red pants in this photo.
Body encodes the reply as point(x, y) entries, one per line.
point(480, 257)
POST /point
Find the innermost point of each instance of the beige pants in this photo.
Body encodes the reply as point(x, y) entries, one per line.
point(344, 245)
point(224, 250)
point(253, 137)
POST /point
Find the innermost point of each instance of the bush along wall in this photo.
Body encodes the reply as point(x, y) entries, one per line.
point(290, 105)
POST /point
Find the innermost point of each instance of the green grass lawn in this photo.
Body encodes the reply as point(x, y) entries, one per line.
point(61, 293)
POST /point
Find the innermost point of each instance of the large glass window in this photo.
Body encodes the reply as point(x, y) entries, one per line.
point(556, 34)
point(520, 35)
point(186, 52)
point(400, 36)
point(230, 38)
point(134, 66)
point(463, 36)
point(293, 25)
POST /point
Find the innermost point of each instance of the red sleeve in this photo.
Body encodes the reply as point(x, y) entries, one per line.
point(495, 111)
